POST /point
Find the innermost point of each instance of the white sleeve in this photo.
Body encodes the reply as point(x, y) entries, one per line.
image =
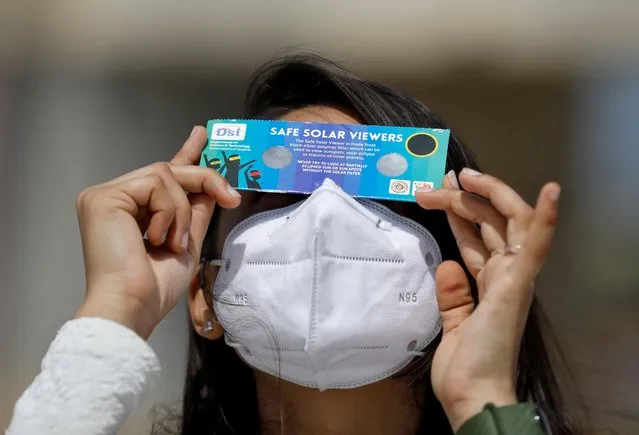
point(92, 377)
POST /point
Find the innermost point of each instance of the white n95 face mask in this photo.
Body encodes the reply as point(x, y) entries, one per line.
point(331, 292)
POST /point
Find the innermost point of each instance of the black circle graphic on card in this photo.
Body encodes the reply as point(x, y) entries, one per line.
point(421, 144)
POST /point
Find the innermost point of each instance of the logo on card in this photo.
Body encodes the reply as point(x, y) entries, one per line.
point(228, 132)
point(399, 187)
point(421, 185)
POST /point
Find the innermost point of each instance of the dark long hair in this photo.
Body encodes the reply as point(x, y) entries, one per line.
point(220, 394)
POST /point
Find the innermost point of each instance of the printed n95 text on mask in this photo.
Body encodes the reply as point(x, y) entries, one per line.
point(366, 161)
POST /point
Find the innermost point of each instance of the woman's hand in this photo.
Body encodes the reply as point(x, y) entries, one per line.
point(135, 279)
point(476, 361)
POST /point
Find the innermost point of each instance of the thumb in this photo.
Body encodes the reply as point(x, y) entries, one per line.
point(202, 207)
point(453, 295)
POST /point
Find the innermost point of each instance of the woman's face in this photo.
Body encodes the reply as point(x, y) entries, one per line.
point(399, 409)
point(256, 202)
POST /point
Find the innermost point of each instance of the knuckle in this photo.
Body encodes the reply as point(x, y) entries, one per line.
point(475, 218)
point(168, 208)
point(155, 179)
point(213, 174)
point(162, 168)
point(86, 198)
point(81, 199)
point(526, 215)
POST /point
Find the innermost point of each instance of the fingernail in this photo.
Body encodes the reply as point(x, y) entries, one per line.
point(185, 240)
point(193, 131)
point(163, 236)
point(554, 195)
point(232, 191)
point(471, 172)
point(453, 179)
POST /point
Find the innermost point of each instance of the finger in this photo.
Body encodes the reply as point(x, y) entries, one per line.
point(539, 236)
point(474, 210)
point(202, 207)
point(503, 197)
point(453, 295)
point(195, 179)
point(191, 151)
point(149, 192)
point(178, 236)
point(469, 241)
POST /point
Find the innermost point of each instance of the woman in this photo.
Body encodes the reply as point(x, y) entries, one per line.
point(489, 356)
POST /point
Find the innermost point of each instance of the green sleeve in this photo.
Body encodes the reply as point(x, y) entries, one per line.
point(520, 419)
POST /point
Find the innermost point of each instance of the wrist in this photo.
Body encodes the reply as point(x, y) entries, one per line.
point(463, 410)
point(127, 311)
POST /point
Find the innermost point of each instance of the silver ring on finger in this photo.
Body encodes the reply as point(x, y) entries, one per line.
point(507, 250)
point(512, 249)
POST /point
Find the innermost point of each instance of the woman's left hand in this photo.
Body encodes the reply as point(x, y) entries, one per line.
point(504, 243)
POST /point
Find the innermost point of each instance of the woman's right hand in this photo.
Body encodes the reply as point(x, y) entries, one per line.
point(504, 243)
point(134, 281)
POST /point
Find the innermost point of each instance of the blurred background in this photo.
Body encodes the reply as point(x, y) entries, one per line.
point(539, 90)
